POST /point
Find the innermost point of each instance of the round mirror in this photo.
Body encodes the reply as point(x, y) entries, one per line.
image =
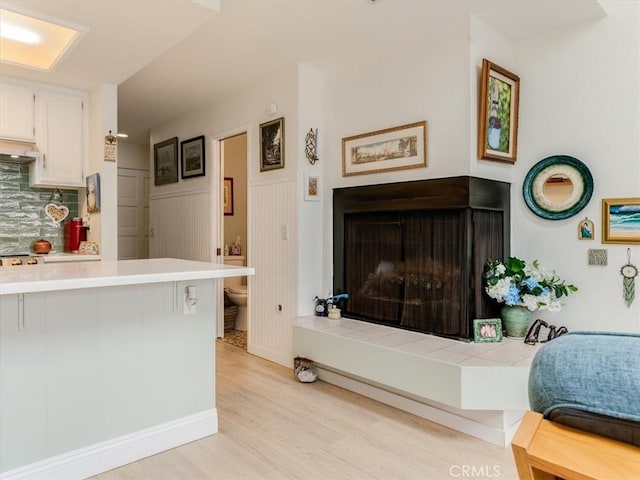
point(558, 187)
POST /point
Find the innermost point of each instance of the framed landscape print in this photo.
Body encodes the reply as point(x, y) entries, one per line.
point(272, 145)
point(165, 161)
point(193, 157)
point(621, 220)
point(396, 148)
point(498, 118)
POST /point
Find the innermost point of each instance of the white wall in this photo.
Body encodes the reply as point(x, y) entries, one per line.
point(103, 117)
point(133, 155)
point(581, 96)
point(272, 202)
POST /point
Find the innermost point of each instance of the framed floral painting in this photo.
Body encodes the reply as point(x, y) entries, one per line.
point(498, 118)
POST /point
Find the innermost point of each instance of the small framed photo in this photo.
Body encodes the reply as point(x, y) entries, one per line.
point(165, 161)
point(272, 145)
point(93, 193)
point(227, 196)
point(487, 330)
point(621, 220)
point(498, 118)
point(311, 188)
point(396, 148)
point(193, 157)
point(586, 230)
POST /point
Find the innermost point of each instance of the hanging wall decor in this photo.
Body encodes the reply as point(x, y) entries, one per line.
point(311, 146)
point(498, 119)
point(110, 147)
point(586, 229)
point(621, 220)
point(629, 273)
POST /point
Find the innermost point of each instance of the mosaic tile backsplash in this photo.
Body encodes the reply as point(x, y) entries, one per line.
point(22, 218)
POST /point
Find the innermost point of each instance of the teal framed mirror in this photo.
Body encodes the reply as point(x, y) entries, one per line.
point(558, 187)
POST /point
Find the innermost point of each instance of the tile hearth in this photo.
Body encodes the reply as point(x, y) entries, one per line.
point(509, 352)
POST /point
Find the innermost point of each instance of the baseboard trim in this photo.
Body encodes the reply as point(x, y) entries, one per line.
point(94, 459)
point(492, 434)
point(284, 360)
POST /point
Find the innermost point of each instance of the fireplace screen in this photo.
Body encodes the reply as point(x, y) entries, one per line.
point(411, 269)
point(411, 254)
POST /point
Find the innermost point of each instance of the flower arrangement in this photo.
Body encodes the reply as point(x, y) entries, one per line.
point(516, 283)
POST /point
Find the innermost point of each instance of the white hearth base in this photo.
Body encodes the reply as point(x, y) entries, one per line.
point(478, 389)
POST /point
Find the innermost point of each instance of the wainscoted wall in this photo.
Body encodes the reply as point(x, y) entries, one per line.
point(180, 225)
point(273, 252)
point(22, 218)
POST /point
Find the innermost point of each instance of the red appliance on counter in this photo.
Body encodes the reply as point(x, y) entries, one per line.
point(74, 233)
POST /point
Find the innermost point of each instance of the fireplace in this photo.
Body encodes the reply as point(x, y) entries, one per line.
point(411, 254)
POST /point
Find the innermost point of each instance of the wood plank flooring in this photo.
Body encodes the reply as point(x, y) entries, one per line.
point(273, 427)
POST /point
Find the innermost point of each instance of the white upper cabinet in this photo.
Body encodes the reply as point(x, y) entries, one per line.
point(17, 111)
point(61, 137)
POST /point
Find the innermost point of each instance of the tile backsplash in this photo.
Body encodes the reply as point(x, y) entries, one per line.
point(22, 218)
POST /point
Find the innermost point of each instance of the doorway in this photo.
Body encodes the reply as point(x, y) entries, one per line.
point(233, 215)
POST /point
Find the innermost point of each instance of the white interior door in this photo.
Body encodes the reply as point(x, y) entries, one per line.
point(133, 214)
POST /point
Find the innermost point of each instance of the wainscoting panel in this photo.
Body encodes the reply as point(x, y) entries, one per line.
point(180, 226)
point(273, 252)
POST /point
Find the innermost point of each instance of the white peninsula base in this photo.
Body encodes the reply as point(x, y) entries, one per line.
point(94, 378)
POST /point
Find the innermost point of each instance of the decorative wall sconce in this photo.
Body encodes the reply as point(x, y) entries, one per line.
point(311, 146)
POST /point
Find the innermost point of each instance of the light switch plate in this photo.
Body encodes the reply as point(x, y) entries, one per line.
point(598, 256)
point(188, 308)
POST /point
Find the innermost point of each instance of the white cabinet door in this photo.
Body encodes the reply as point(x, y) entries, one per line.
point(60, 135)
point(17, 112)
point(22, 380)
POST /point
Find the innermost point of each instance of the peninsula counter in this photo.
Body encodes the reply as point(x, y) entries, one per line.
point(102, 363)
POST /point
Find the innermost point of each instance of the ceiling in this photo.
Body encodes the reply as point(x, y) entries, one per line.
point(169, 57)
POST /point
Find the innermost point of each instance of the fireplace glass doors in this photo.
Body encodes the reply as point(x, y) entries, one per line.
point(418, 269)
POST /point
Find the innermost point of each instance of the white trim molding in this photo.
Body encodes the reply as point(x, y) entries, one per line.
point(101, 457)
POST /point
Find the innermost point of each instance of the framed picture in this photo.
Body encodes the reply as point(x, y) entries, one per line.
point(396, 148)
point(487, 330)
point(93, 193)
point(586, 230)
point(227, 196)
point(272, 145)
point(498, 119)
point(621, 220)
point(311, 188)
point(165, 161)
point(192, 157)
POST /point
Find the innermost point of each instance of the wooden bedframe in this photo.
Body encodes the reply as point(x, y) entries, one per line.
point(544, 450)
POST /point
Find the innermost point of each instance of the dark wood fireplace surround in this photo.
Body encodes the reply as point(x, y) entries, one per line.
point(411, 254)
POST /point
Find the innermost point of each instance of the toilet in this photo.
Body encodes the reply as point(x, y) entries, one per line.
point(236, 291)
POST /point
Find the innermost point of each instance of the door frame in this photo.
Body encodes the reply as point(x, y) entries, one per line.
point(217, 223)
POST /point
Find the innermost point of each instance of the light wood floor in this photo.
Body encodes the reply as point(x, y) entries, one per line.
point(273, 427)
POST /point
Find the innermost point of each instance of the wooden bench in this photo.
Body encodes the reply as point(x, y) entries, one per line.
point(544, 450)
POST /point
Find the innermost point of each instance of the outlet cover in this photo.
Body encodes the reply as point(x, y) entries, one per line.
point(598, 256)
point(188, 308)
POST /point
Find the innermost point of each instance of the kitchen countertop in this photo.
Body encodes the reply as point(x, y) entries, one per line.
point(73, 275)
point(52, 257)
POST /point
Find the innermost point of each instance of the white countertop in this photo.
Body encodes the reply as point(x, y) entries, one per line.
point(72, 275)
point(69, 257)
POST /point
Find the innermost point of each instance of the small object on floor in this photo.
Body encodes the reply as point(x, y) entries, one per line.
point(304, 369)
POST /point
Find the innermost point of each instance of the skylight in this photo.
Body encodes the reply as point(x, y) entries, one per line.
point(32, 42)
